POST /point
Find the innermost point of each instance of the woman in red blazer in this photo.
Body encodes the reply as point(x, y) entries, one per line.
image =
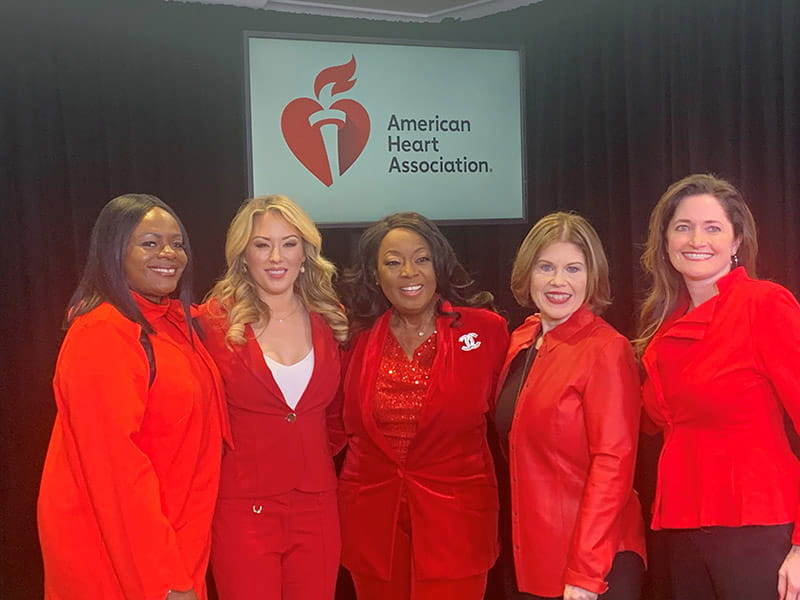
point(417, 492)
point(568, 418)
point(131, 474)
point(721, 353)
point(273, 323)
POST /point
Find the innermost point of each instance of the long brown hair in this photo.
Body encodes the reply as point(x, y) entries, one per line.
point(667, 284)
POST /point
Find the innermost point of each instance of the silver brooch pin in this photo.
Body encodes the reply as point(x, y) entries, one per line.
point(468, 339)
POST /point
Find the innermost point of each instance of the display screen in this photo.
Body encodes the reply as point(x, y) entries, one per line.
point(355, 129)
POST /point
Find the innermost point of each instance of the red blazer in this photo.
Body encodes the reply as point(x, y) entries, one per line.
point(572, 452)
point(130, 479)
point(717, 379)
point(448, 477)
point(276, 449)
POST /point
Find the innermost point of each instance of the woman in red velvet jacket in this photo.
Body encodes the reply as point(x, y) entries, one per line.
point(417, 492)
point(721, 353)
point(131, 474)
point(273, 323)
point(568, 417)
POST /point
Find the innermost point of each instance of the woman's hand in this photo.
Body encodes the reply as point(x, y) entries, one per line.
point(573, 592)
point(789, 576)
point(187, 595)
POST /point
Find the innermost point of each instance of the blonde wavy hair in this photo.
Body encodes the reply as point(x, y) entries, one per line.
point(237, 293)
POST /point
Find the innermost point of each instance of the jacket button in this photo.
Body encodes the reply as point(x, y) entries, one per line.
point(291, 417)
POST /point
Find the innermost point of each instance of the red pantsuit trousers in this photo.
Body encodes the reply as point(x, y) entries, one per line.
point(284, 547)
point(405, 586)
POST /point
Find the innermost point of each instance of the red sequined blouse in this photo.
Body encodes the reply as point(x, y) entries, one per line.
point(400, 390)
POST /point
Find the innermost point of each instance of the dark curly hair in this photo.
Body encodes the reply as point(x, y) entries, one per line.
point(362, 295)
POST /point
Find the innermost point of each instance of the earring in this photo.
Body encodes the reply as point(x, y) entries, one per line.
point(734, 261)
point(302, 268)
point(244, 267)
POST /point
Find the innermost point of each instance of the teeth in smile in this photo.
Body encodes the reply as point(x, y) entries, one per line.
point(557, 296)
point(697, 255)
point(165, 270)
point(411, 288)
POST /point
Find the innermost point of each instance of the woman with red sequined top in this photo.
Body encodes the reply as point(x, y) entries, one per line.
point(417, 492)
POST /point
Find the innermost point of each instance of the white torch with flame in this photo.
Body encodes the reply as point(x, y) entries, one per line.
point(329, 121)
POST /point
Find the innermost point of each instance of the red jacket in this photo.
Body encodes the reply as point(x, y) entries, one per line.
point(717, 379)
point(572, 452)
point(130, 480)
point(448, 475)
point(275, 448)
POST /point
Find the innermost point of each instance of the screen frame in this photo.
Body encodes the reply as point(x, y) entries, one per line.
point(247, 35)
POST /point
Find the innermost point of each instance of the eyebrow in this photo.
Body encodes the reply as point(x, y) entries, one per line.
point(269, 239)
point(160, 235)
point(395, 251)
point(691, 221)
point(550, 262)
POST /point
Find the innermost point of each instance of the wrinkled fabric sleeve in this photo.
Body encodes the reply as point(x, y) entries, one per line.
point(611, 406)
point(102, 382)
point(776, 333)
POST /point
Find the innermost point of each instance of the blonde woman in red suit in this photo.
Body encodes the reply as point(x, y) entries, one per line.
point(273, 324)
point(568, 418)
point(721, 352)
point(417, 492)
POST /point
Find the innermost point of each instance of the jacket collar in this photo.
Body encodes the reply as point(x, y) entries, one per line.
point(253, 358)
point(580, 319)
point(151, 311)
point(694, 323)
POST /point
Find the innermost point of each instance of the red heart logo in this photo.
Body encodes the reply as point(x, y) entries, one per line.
point(303, 120)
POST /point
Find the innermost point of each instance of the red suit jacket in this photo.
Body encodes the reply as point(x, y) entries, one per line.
point(276, 449)
point(572, 452)
point(718, 379)
point(130, 480)
point(448, 477)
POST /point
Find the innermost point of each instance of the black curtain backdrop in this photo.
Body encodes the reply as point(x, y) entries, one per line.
point(102, 97)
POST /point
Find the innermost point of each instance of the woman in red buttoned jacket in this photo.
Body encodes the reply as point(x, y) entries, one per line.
point(568, 419)
point(721, 353)
point(131, 474)
point(273, 324)
point(417, 492)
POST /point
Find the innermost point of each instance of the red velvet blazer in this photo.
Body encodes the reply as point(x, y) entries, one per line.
point(276, 449)
point(448, 476)
point(572, 452)
point(718, 379)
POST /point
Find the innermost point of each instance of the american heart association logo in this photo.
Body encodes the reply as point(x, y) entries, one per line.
point(324, 134)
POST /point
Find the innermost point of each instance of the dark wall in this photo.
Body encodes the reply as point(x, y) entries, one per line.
point(102, 97)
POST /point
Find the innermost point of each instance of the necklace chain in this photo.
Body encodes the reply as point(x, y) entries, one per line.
point(286, 316)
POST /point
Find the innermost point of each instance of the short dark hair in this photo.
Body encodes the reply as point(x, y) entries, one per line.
point(103, 278)
point(359, 288)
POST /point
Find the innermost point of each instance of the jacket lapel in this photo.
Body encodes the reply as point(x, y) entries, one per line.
point(367, 372)
point(253, 359)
